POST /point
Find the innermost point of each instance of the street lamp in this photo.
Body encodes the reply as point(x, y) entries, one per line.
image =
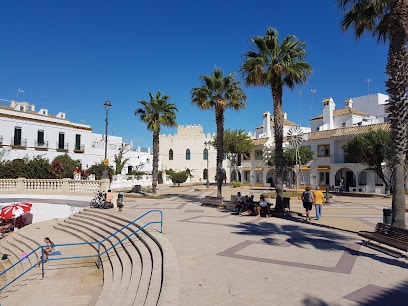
point(105, 174)
point(207, 147)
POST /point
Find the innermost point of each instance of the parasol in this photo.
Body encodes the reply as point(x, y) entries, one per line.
point(15, 210)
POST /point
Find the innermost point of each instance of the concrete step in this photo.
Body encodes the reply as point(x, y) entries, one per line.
point(132, 269)
point(139, 290)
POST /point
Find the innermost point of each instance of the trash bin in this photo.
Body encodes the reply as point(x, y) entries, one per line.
point(286, 204)
point(387, 216)
point(119, 201)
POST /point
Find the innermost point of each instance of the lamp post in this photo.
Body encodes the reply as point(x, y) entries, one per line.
point(105, 174)
point(207, 146)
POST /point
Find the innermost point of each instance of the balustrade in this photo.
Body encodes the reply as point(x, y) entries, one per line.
point(64, 186)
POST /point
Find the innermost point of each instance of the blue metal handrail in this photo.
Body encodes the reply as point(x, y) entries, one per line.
point(97, 243)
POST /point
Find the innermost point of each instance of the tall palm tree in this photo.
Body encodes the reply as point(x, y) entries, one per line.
point(219, 92)
point(157, 113)
point(388, 20)
point(276, 65)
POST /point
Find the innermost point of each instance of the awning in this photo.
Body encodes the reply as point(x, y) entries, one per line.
point(246, 168)
point(305, 168)
point(323, 168)
point(258, 169)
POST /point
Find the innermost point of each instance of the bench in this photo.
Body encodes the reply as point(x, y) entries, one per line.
point(213, 201)
point(389, 235)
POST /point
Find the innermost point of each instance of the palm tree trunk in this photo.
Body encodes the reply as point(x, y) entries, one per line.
point(397, 85)
point(219, 119)
point(155, 169)
point(278, 131)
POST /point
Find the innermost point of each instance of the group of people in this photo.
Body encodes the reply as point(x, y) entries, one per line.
point(246, 206)
point(315, 198)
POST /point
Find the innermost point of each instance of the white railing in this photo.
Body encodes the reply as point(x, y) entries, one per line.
point(64, 186)
point(128, 181)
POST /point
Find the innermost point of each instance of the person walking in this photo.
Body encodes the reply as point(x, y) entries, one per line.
point(307, 199)
point(318, 202)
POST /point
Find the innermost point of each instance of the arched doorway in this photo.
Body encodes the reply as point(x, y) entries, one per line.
point(348, 177)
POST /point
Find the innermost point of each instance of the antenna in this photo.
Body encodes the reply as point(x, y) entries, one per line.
point(368, 81)
point(19, 91)
point(300, 107)
point(313, 91)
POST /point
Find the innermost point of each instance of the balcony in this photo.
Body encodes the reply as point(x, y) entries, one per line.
point(19, 143)
point(41, 146)
point(79, 149)
point(342, 159)
point(62, 147)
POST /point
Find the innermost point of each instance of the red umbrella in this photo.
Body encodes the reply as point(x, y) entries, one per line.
point(15, 210)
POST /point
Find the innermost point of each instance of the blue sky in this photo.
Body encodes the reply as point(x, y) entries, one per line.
point(72, 56)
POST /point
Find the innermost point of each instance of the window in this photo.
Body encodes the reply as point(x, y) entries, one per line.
point(40, 137)
point(205, 154)
point(323, 150)
point(188, 154)
point(246, 156)
point(324, 178)
point(77, 142)
point(130, 169)
point(17, 136)
point(171, 154)
point(61, 139)
point(258, 154)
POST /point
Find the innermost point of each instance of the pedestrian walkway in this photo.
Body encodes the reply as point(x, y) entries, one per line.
point(223, 259)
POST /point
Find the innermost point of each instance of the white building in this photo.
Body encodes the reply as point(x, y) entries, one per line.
point(186, 150)
point(26, 132)
point(254, 169)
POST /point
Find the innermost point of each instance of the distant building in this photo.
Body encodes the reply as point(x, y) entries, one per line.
point(186, 151)
point(25, 132)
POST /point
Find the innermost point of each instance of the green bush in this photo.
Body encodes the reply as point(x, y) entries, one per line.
point(179, 177)
point(236, 184)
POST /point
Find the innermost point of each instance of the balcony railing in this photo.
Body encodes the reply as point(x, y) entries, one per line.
point(19, 143)
point(342, 159)
point(41, 145)
point(79, 149)
point(62, 147)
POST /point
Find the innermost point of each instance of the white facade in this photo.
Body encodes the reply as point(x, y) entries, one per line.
point(186, 150)
point(25, 132)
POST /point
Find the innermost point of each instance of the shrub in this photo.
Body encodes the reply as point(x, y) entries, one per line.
point(179, 177)
point(236, 184)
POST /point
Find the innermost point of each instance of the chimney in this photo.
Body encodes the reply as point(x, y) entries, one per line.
point(349, 102)
point(328, 108)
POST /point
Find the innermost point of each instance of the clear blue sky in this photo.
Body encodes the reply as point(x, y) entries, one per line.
point(72, 56)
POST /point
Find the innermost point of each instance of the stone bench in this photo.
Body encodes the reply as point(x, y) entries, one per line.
point(212, 201)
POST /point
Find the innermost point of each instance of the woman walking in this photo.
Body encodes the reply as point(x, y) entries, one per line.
point(307, 199)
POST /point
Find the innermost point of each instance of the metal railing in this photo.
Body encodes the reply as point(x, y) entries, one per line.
point(95, 244)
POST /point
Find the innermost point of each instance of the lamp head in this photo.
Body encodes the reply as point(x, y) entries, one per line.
point(107, 105)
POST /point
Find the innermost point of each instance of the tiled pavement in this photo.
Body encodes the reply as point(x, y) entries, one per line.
point(231, 260)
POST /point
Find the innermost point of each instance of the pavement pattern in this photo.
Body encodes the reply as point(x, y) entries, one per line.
point(224, 259)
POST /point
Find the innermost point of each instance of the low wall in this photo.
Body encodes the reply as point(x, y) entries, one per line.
point(64, 186)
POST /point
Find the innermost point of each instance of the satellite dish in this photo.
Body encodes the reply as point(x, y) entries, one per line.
point(295, 136)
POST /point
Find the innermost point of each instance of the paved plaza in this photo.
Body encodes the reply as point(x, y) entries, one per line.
point(224, 259)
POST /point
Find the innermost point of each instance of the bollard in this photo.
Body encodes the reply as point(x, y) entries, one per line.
point(119, 201)
point(327, 195)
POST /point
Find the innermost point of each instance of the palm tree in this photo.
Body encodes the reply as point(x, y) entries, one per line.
point(157, 113)
point(388, 20)
point(220, 93)
point(276, 65)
